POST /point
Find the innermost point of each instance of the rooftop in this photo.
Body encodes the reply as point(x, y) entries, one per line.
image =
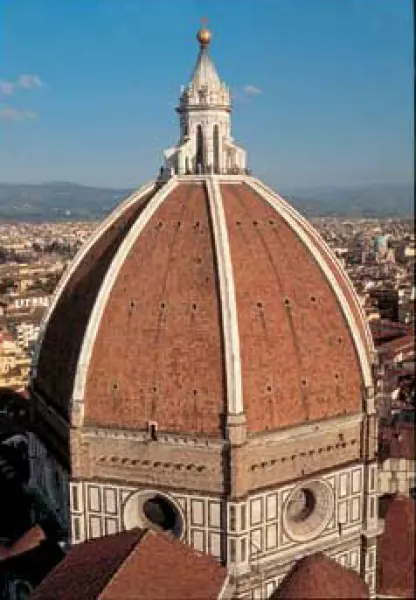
point(134, 564)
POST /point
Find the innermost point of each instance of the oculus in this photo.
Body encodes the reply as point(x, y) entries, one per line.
point(308, 510)
point(153, 510)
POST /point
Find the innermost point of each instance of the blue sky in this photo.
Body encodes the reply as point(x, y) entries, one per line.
point(323, 88)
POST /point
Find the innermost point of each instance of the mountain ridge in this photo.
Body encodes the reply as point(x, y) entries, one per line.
point(60, 200)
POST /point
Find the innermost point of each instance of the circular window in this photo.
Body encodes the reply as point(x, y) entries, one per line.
point(301, 505)
point(308, 510)
point(153, 510)
point(160, 512)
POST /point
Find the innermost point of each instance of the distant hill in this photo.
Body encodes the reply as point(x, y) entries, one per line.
point(368, 201)
point(56, 201)
point(59, 201)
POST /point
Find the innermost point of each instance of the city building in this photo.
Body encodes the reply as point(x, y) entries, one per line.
point(14, 363)
point(397, 459)
point(205, 369)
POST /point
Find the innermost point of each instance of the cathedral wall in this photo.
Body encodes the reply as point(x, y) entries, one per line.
point(99, 509)
point(264, 534)
point(262, 583)
point(295, 453)
point(255, 528)
point(250, 535)
point(173, 462)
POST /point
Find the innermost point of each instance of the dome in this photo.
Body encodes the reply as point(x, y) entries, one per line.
point(198, 298)
point(318, 576)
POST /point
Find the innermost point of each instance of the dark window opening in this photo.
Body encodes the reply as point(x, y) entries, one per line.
point(160, 513)
point(199, 150)
point(301, 505)
point(153, 432)
point(216, 149)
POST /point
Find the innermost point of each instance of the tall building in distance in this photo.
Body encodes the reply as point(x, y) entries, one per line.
point(205, 369)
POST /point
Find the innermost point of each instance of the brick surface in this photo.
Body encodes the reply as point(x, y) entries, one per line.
point(165, 568)
point(158, 354)
point(87, 568)
point(133, 565)
point(298, 358)
point(65, 331)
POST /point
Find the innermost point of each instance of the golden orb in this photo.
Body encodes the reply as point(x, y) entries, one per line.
point(203, 36)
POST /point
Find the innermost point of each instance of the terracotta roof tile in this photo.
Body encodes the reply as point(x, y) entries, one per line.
point(164, 309)
point(133, 565)
point(65, 331)
point(402, 344)
point(158, 353)
point(298, 358)
point(29, 540)
point(396, 550)
point(162, 567)
point(87, 568)
point(318, 576)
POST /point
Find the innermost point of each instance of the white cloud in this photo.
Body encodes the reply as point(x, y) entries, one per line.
point(29, 82)
point(6, 88)
point(8, 113)
point(252, 89)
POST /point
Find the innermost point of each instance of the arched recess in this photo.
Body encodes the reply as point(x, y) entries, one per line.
point(216, 149)
point(199, 161)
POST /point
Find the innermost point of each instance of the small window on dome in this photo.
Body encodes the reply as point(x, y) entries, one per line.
point(153, 431)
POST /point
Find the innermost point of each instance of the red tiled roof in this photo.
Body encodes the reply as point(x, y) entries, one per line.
point(402, 344)
point(29, 540)
point(318, 576)
point(158, 353)
point(385, 330)
point(134, 565)
point(160, 338)
point(66, 328)
point(163, 567)
point(298, 359)
point(397, 441)
point(396, 550)
point(87, 568)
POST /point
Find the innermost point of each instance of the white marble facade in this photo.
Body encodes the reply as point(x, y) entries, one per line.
point(242, 534)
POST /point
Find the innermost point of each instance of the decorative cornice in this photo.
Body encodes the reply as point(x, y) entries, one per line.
point(305, 430)
point(143, 437)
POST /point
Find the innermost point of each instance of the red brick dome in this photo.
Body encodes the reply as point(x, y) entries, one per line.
point(198, 298)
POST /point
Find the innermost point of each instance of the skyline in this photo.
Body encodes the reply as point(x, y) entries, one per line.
point(87, 92)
